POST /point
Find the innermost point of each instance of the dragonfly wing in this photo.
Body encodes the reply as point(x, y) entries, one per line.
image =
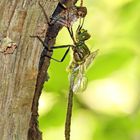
point(80, 84)
point(90, 59)
point(78, 80)
point(83, 84)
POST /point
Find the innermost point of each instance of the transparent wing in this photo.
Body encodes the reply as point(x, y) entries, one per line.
point(78, 80)
point(80, 84)
point(90, 59)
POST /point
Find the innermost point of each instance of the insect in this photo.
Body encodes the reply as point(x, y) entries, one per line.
point(65, 17)
point(69, 14)
point(82, 59)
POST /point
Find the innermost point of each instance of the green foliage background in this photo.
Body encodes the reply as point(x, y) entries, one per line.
point(109, 108)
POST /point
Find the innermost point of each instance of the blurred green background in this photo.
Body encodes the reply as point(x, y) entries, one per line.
point(109, 109)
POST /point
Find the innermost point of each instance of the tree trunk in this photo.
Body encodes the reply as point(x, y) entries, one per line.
point(19, 61)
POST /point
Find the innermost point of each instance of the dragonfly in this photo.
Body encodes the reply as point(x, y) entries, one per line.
point(82, 57)
point(65, 17)
point(81, 61)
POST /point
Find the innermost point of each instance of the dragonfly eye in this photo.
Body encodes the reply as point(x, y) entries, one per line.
point(82, 31)
point(82, 34)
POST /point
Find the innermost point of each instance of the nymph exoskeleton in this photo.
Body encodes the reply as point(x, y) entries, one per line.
point(65, 17)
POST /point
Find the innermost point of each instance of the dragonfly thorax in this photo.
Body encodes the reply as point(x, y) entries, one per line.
point(80, 53)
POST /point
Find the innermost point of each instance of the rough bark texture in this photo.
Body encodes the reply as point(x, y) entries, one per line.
point(18, 71)
point(22, 73)
point(51, 34)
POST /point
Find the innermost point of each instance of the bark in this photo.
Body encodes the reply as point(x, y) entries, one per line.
point(18, 70)
point(22, 70)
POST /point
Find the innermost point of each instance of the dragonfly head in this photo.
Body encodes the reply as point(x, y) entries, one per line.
point(82, 35)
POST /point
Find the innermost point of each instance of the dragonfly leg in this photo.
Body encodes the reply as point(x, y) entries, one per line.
point(71, 34)
point(81, 22)
point(42, 42)
point(49, 22)
point(62, 46)
point(44, 12)
point(64, 56)
point(54, 47)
